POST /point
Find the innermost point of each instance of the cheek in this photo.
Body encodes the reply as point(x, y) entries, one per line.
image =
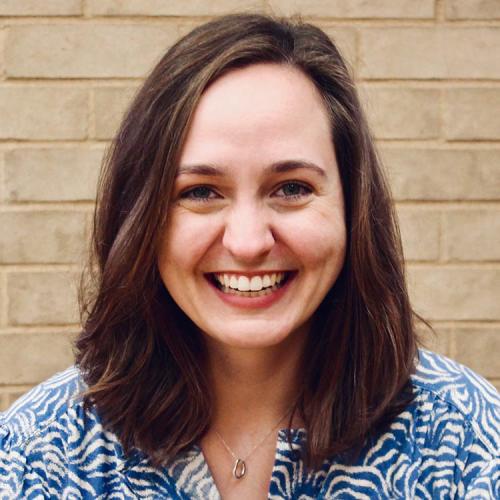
point(186, 240)
point(318, 238)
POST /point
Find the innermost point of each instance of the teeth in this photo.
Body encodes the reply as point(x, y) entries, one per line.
point(255, 284)
point(245, 284)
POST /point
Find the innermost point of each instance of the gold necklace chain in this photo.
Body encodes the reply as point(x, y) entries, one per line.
point(240, 466)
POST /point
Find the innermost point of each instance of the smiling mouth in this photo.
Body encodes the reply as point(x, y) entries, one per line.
point(244, 286)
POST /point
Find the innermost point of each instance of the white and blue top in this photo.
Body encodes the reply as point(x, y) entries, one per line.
point(443, 445)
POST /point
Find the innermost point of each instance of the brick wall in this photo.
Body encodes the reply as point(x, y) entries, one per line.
point(430, 76)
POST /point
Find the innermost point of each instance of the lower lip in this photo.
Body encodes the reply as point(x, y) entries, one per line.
point(253, 302)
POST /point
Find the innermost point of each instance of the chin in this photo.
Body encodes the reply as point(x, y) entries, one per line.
point(251, 339)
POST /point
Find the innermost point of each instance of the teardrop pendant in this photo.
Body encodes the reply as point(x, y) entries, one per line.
point(239, 468)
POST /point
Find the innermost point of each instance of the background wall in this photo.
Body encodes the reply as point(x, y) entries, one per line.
point(428, 71)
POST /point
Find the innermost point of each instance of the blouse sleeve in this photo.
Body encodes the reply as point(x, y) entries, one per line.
point(23, 474)
point(481, 475)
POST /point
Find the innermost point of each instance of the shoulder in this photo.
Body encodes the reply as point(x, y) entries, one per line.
point(51, 444)
point(38, 409)
point(35, 434)
point(444, 444)
point(448, 390)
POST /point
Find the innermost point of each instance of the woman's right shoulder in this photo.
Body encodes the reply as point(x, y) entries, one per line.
point(34, 433)
point(35, 413)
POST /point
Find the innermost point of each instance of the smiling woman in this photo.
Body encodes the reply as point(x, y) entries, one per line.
point(270, 204)
point(248, 333)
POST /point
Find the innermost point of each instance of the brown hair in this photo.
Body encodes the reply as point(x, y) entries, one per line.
point(142, 358)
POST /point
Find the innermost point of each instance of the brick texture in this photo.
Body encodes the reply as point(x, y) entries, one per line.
point(355, 8)
point(477, 348)
point(472, 9)
point(171, 7)
point(2, 51)
point(472, 114)
point(455, 293)
point(38, 8)
point(471, 235)
point(402, 113)
point(85, 51)
point(111, 103)
point(38, 298)
point(52, 174)
point(41, 237)
point(443, 174)
point(429, 53)
point(30, 357)
point(429, 77)
point(420, 231)
point(37, 113)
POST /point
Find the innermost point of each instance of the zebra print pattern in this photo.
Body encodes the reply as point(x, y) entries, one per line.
point(444, 445)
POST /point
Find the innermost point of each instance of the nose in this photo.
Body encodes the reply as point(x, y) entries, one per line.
point(247, 233)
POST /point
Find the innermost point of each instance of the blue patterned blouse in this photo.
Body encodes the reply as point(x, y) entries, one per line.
point(444, 445)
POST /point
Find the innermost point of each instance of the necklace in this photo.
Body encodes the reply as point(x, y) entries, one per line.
point(240, 466)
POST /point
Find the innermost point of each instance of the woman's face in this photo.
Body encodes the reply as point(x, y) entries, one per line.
point(256, 233)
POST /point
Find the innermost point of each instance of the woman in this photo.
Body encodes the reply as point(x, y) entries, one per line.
point(249, 332)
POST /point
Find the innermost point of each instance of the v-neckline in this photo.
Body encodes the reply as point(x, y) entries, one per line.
point(188, 476)
point(297, 436)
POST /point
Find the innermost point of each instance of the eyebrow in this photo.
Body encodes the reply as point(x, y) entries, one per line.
point(279, 167)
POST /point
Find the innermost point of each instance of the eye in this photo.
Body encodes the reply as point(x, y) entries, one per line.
point(199, 194)
point(293, 190)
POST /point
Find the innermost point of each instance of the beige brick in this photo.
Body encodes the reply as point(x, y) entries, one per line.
point(470, 234)
point(43, 113)
point(436, 340)
point(3, 299)
point(472, 113)
point(473, 9)
point(402, 113)
point(29, 358)
point(52, 174)
point(110, 104)
point(171, 7)
point(86, 50)
point(42, 237)
point(345, 40)
point(40, 8)
point(38, 298)
point(478, 348)
point(437, 174)
point(420, 231)
point(430, 53)
point(355, 8)
point(455, 293)
point(4, 402)
point(3, 194)
point(2, 51)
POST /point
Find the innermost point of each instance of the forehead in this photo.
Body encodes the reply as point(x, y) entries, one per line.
point(263, 109)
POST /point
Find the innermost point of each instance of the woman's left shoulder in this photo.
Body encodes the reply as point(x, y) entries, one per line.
point(441, 383)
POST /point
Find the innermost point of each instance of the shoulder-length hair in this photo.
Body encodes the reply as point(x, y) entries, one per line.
point(142, 357)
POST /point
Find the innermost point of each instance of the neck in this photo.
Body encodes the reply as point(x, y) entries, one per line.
point(254, 386)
